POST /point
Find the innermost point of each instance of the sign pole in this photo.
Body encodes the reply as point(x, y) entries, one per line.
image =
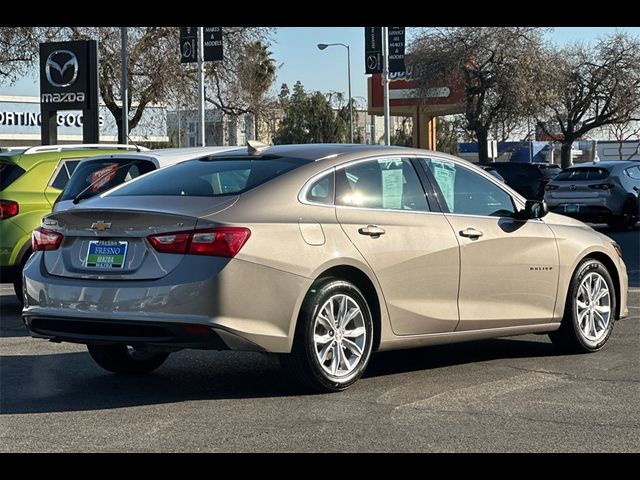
point(124, 93)
point(385, 83)
point(202, 140)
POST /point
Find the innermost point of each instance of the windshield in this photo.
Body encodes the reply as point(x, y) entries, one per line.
point(577, 174)
point(103, 174)
point(9, 173)
point(210, 178)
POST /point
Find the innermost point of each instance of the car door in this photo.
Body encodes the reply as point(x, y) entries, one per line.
point(411, 248)
point(508, 267)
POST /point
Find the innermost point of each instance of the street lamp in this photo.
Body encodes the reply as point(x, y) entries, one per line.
point(322, 46)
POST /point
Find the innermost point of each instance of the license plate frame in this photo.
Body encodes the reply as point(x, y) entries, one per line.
point(106, 260)
point(571, 208)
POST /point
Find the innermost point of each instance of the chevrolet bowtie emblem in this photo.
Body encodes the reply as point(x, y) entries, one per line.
point(100, 225)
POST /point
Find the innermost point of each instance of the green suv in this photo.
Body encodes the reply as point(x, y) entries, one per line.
point(31, 178)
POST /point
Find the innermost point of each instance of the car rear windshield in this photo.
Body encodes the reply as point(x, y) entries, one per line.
point(550, 170)
point(9, 173)
point(582, 173)
point(210, 177)
point(92, 177)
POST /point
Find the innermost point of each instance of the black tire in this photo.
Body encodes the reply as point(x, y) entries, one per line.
point(124, 360)
point(628, 219)
point(17, 283)
point(570, 337)
point(17, 287)
point(302, 363)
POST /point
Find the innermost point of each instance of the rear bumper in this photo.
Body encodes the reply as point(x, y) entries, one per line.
point(160, 335)
point(249, 306)
point(585, 213)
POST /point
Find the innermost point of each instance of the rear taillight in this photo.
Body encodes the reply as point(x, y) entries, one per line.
point(170, 242)
point(602, 186)
point(217, 242)
point(43, 239)
point(9, 208)
point(551, 187)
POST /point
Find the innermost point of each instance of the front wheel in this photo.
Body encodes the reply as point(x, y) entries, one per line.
point(125, 359)
point(590, 311)
point(333, 339)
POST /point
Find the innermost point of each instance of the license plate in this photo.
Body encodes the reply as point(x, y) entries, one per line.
point(571, 208)
point(106, 254)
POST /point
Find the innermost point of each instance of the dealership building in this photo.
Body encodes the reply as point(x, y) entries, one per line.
point(20, 124)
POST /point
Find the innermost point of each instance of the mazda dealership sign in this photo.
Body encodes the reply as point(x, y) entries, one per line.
point(69, 81)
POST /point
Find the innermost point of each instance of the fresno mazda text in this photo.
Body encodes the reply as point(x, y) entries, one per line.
point(320, 253)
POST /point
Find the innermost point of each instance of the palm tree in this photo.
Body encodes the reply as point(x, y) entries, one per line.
point(257, 74)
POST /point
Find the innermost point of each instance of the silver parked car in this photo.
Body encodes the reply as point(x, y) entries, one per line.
point(321, 254)
point(98, 174)
point(598, 192)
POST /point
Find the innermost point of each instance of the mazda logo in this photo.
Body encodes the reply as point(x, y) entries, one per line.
point(58, 63)
point(572, 188)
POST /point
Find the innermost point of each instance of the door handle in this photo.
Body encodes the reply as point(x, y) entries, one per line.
point(373, 231)
point(471, 233)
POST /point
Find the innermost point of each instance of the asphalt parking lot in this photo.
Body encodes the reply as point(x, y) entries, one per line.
point(514, 394)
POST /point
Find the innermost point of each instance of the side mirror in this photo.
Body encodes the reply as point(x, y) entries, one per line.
point(533, 209)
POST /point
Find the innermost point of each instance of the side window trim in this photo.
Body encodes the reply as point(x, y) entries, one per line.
point(438, 195)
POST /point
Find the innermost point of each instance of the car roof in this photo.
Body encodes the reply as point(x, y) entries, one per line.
point(169, 156)
point(606, 164)
point(327, 151)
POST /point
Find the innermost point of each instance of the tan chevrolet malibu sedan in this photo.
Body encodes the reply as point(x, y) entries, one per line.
point(322, 254)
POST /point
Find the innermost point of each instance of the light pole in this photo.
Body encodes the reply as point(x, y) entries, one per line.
point(322, 46)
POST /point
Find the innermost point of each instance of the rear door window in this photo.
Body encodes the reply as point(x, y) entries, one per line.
point(9, 173)
point(389, 184)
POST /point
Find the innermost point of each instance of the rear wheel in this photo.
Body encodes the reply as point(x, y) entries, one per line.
point(125, 359)
point(590, 311)
point(334, 337)
point(17, 283)
point(628, 219)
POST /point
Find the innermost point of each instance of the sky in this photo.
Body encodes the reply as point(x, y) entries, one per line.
point(298, 58)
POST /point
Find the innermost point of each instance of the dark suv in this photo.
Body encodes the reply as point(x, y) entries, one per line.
point(528, 179)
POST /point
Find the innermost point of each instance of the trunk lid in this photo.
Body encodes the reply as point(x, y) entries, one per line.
point(93, 235)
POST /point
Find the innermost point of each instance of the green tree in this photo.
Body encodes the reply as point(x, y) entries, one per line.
point(447, 135)
point(309, 118)
point(257, 73)
point(400, 137)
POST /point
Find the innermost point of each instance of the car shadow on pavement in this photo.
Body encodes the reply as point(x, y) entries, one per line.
point(72, 382)
point(438, 356)
point(10, 323)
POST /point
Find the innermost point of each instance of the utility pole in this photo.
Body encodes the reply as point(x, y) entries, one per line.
point(385, 83)
point(202, 140)
point(124, 91)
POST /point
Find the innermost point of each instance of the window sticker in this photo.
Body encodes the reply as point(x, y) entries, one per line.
point(445, 175)
point(392, 188)
point(103, 176)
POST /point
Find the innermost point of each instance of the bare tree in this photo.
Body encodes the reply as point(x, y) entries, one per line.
point(496, 66)
point(588, 88)
point(626, 132)
point(155, 74)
